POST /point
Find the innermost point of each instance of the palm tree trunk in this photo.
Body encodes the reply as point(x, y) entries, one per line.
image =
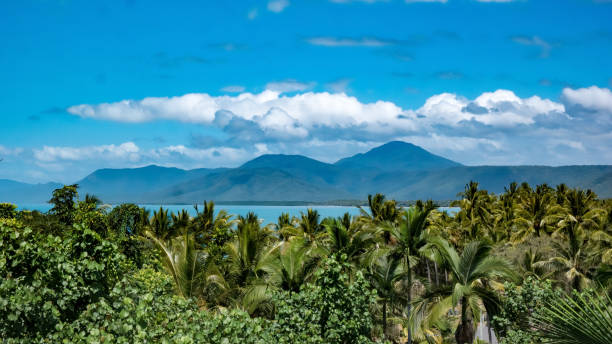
point(465, 332)
point(436, 272)
point(384, 311)
point(409, 300)
point(428, 271)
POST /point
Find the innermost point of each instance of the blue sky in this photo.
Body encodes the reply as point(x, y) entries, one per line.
point(92, 84)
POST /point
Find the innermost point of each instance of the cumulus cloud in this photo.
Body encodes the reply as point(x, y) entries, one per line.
point(277, 6)
point(498, 127)
point(590, 98)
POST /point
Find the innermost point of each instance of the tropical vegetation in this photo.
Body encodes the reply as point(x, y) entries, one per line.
point(530, 265)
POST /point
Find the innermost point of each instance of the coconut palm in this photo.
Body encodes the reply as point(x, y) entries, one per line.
point(381, 210)
point(180, 221)
point(293, 266)
point(248, 258)
point(536, 212)
point(475, 210)
point(347, 238)
point(211, 231)
point(571, 262)
point(161, 224)
point(580, 213)
point(385, 275)
point(473, 275)
point(184, 262)
point(410, 238)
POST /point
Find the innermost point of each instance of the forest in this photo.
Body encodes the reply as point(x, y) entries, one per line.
point(530, 265)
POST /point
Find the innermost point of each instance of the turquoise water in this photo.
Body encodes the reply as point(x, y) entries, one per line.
point(266, 212)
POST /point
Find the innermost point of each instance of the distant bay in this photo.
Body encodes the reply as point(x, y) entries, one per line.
point(267, 213)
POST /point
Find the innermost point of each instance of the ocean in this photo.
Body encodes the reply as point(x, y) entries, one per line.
point(267, 213)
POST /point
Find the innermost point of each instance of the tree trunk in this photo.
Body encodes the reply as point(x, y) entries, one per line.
point(436, 272)
point(489, 328)
point(465, 331)
point(409, 300)
point(384, 311)
point(428, 271)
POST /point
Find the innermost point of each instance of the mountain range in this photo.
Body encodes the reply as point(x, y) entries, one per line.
point(400, 170)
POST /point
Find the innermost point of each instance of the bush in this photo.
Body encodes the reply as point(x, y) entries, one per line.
point(334, 310)
point(143, 309)
point(48, 280)
point(518, 304)
point(8, 211)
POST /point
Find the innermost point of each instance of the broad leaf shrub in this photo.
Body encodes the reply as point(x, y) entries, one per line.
point(333, 310)
point(519, 303)
point(144, 309)
point(47, 280)
point(8, 211)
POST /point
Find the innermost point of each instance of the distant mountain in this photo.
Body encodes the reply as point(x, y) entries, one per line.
point(400, 170)
point(249, 185)
point(24, 193)
point(397, 156)
point(311, 170)
point(120, 185)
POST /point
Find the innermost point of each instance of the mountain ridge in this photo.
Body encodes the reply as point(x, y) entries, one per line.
point(400, 170)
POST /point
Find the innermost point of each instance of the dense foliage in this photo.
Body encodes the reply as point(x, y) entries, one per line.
point(529, 265)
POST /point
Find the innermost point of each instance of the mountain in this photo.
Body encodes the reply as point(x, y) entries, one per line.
point(24, 193)
point(249, 185)
point(400, 170)
point(397, 156)
point(128, 184)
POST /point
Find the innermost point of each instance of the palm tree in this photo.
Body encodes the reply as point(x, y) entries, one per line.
point(185, 263)
point(180, 221)
point(536, 212)
point(293, 266)
point(473, 273)
point(410, 238)
point(381, 210)
point(474, 213)
point(248, 258)
point(385, 276)
point(345, 237)
point(161, 224)
point(211, 231)
point(572, 262)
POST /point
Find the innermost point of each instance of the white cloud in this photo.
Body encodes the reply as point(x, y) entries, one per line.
point(6, 151)
point(590, 98)
point(233, 89)
point(350, 42)
point(277, 6)
point(288, 86)
point(496, 127)
point(124, 151)
point(545, 47)
point(501, 108)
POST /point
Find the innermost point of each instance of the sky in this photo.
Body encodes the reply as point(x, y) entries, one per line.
point(112, 84)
